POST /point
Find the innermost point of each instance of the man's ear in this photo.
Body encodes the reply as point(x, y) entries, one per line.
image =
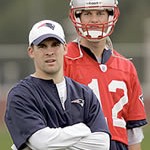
point(65, 49)
point(30, 52)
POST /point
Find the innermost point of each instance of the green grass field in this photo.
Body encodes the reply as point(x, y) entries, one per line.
point(146, 141)
point(5, 140)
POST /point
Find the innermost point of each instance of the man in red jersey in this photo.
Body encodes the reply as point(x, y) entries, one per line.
point(91, 60)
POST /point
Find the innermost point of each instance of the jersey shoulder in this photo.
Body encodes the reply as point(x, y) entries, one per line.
point(73, 50)
point(122, 63)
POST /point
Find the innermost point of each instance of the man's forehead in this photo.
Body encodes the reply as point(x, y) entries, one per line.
point(50, 39)
point(94, 10)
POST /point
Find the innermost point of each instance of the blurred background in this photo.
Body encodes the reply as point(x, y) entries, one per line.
point(131, 38)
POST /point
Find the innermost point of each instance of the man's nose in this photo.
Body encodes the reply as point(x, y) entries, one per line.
point(50, 50)
point(94, 18)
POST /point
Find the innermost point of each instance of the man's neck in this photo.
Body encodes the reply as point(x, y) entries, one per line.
point(56, 78)
point(97, 48)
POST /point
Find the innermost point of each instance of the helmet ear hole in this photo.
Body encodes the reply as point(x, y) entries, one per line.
point(77, 15)
point(110, 12)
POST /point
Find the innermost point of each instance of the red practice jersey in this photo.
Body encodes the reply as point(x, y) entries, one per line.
point(116, 85)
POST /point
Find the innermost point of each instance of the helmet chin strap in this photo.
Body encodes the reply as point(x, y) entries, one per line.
point(93, 33)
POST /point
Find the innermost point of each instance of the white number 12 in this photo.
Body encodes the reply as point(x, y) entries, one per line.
point(114, 84)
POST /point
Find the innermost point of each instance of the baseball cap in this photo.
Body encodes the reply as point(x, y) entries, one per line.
point(46, 29)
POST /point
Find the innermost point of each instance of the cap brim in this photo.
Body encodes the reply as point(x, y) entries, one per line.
point(43, 37)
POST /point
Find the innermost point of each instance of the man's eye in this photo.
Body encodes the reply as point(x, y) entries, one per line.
point(56, 44)
point(101, 13)
point(41, 45)
point(86, 13)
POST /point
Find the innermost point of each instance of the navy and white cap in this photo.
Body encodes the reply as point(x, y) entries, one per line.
point(46, 29)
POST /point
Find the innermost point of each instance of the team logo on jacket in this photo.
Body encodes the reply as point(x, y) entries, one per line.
point(78, 101)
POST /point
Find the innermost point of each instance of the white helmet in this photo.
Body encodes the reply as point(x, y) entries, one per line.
point(102, 30)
